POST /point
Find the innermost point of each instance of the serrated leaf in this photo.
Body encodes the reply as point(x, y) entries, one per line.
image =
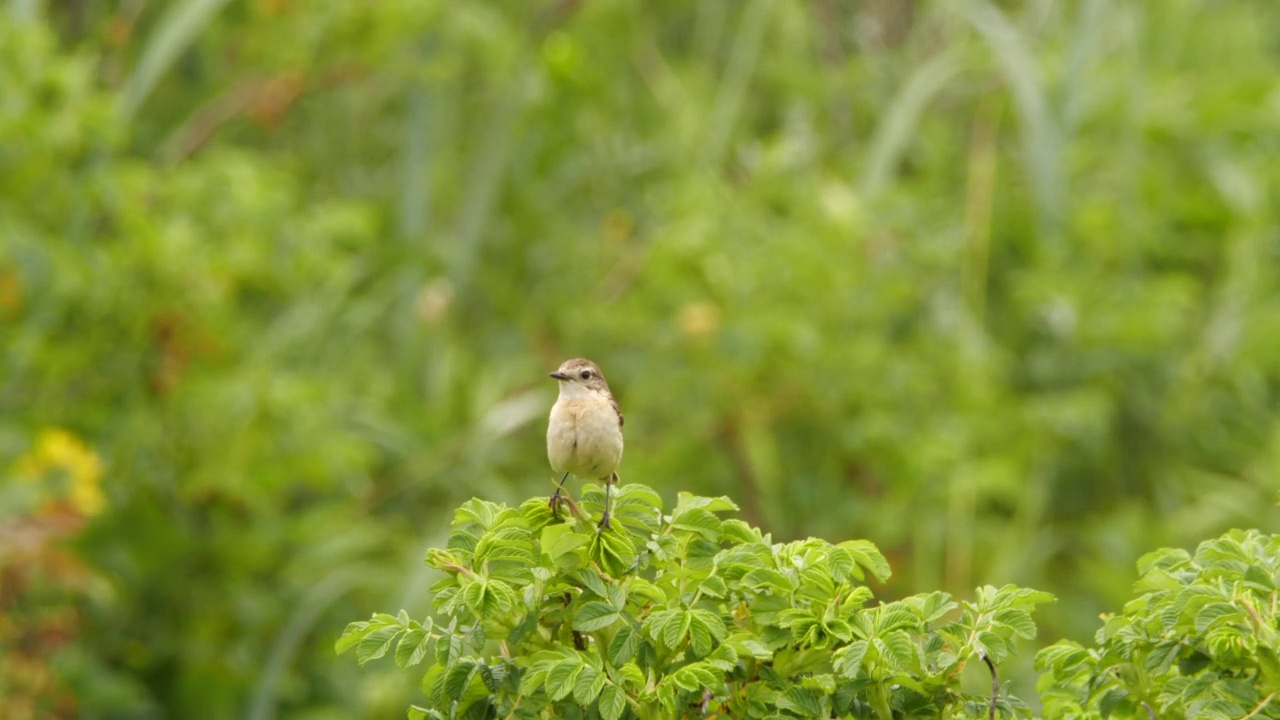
point(848, 659)
point(630, 675)
point(499, 598)
point(457, 679)
point(699, 638)
point(376, 643)
point(894, 617)
point(768, 577)
point(433, 682)
point(687, 501)
point(535, 677)
point(588, 685)
point(561, 678)
point(698, 676)
point(492, 675)
point(698, 521)
point(1018, 622)
point(801, 701)
point(1063, 655)
point(639, 587)
point(612, 703)
point(412, 648)
point(675, 629)
point(738, 532)
point(637, 493)
point(993, 646)
point(723, 657)
point(560, 539)
point(868, 556)
point(1218, 613)
point(626, 641)
point(712, 621)
point(614, 552)
point(594, 616)
point(749, 645)
point(900, 651)
point(713, 586)
point(591, 580)
point(354, 633)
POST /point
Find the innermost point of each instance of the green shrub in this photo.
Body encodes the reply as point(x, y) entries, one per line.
point(1200, 641)
point(686, 614)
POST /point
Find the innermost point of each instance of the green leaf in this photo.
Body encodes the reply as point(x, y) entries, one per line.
point(713, 586)
point(562, 677)
point(558, 540)
point(535, 677)
point(1061, 656)
point(458, 679)
point(699, 638)
point(1220, 613)
point(675, 629)
point(900, 651)
point(639, 587)
point(376, 644)
point(848, 659)
point(749, 645)
point(802, 702)
point(591, 580)
point(738, 532)
point(768, 577)
point(895, 616)
point(612, 702)
point(698, 521)
point(412, 648)
point(687, 501)
point(993, 646)
point(499, 598)
point(614, 552)
point(594, 616)
point(493, 676)
point(635, 493)
point(697, 676)
point(630, 675)
point(724, 657)
point(624, 645)
point(588, 685)
point(1018, 621)
point(354, 633)
point(868, 556)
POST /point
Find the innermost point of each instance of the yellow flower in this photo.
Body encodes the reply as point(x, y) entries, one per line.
point(58, 449)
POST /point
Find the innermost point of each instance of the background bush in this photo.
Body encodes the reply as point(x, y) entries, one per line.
point(991, 285)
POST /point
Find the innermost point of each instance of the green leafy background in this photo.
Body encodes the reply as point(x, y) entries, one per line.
point(992, 285)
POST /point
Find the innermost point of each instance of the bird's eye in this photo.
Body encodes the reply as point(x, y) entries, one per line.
point(586, 375)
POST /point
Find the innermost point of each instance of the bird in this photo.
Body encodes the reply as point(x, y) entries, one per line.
point(584, 431)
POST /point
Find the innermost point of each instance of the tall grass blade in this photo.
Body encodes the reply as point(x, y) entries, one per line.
point(179, 27)
point(899, 122)
point(1041, 147)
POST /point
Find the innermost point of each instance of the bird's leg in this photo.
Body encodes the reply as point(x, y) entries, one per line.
point(555, 499)
point(608, 483)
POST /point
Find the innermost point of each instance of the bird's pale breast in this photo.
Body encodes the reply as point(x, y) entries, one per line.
point(584, 438)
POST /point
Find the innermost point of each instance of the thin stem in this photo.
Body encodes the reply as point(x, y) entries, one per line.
point(995, 686)
point(1252, 712)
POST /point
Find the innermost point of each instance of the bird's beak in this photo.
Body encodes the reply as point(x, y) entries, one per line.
point(559, 375)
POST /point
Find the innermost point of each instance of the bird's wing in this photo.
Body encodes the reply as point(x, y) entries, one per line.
point(617, 410)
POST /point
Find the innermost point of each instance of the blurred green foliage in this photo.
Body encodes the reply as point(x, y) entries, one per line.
point(992, 285)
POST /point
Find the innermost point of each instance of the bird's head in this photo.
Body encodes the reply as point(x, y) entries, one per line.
point(580, 377)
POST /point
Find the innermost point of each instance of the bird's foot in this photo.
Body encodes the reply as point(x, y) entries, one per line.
point(605, 523)
point(554, 504)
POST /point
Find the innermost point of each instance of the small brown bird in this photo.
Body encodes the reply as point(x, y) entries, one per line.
point(584, 432)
